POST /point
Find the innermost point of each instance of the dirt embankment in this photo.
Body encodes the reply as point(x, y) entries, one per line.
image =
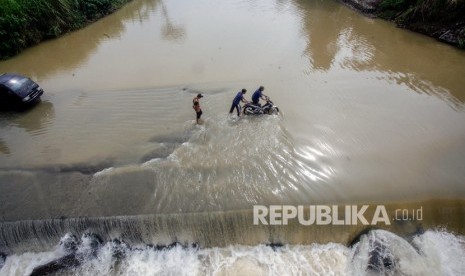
point(441, 19)
point(24, 23)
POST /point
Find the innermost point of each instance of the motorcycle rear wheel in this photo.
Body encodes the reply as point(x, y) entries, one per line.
point(248, 110)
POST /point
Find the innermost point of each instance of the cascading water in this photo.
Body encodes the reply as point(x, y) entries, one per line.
point(110, 175)
point(377, 253)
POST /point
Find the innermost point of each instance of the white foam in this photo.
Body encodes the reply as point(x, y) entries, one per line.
point(443, 253)
point(432, 253)
point(104, 172)
point(25, 263)
point(151, 162)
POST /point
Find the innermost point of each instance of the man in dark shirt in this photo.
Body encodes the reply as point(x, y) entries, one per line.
point(257, 95)
point(235, 104)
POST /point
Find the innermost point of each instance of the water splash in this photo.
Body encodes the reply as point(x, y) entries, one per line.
point(249, 160)
point(431, 253)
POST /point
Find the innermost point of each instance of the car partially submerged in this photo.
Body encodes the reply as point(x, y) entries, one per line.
point(17, 91)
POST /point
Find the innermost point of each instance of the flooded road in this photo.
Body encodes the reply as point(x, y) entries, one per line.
point(370, 113)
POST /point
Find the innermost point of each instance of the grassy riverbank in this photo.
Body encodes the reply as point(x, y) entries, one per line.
point(24, 23)
point(442, 19)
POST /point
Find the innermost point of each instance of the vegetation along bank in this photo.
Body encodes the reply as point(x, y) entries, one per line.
point(441, 19)
point(24, 23)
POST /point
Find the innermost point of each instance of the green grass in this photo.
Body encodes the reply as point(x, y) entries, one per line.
point(441, 11)
point(431, 17)
point(27, 22)
point(461, 38)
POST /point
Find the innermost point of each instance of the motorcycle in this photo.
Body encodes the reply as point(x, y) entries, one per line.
point(268, 108)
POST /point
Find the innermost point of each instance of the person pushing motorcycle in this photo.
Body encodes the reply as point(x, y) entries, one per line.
point(257, 95)
point(237, 100)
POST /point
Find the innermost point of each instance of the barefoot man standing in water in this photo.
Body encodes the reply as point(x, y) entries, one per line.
point(196, 102)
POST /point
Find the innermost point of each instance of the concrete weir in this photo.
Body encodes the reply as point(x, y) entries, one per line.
point(213, 229)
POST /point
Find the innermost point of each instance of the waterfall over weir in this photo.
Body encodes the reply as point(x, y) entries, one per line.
point(372, 253)
point(211, 229)
point(205, 229)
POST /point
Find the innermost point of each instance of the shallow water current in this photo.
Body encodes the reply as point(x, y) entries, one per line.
point(369, 114)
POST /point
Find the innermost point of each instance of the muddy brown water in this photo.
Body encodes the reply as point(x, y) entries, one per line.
point(370, 113)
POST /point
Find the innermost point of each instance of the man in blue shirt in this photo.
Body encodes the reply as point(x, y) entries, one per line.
point(235, 104)
point(257, 95)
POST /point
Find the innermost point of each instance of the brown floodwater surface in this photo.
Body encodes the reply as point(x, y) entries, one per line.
point(369, 112)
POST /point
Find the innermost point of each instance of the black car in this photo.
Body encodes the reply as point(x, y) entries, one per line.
point(17, 91)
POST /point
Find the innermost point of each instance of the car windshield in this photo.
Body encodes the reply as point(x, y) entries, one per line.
point(18, 84)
